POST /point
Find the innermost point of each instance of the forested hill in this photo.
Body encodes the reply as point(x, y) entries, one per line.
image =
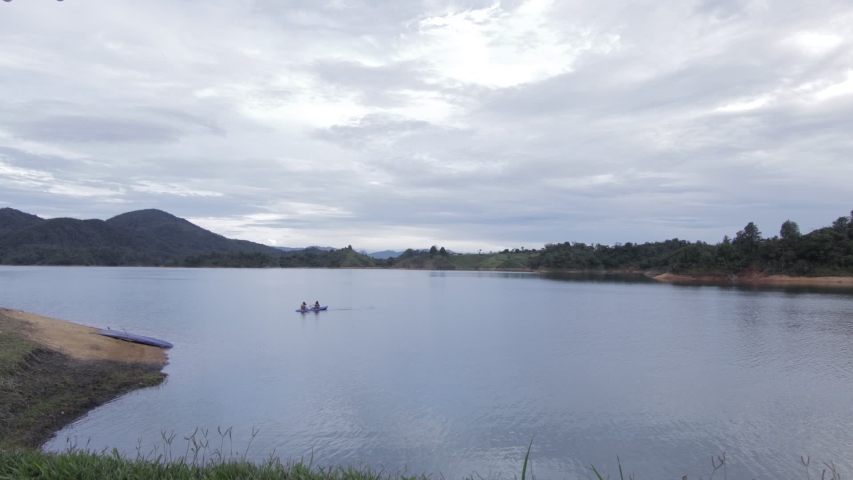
point(154, 237)
point(144, 237)
point(11, 219)
point(825, 251)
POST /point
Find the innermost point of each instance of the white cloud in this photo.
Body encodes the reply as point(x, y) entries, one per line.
point(470, 124)
point(41, 181)
point(744, 105)
point(844, 87)
point(815, 43)
point(171, 189)
point(501, 48)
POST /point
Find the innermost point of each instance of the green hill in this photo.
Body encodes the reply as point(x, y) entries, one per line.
point(315, 257)
point(11, 219)
point(180, 236)
point(146, 237)
point(418, 259)
point(154, 237)
point(826, 251)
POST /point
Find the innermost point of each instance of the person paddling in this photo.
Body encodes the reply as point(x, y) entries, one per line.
point(304, 306)
point(316, 304)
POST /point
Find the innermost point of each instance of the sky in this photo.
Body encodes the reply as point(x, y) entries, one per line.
point(387, 124)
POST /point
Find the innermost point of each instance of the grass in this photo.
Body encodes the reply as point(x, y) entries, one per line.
point(85, 465)
point(42, 390)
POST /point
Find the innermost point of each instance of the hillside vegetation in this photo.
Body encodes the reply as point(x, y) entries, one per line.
point(157, 238)
point(144, 237)
point(826, 251)
point(307, 258)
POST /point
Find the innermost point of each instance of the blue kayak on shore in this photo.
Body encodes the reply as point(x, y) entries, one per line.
point(306, 310)
point(130, 337)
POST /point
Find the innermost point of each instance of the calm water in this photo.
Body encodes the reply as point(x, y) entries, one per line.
point(454, 373)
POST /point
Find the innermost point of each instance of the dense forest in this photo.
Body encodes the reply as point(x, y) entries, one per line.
point(825, 251)
point(306, 258)
point(156, 238)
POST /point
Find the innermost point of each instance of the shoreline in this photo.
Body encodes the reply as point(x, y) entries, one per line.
point(53, 372)
point(657, 275)
point(770, 280)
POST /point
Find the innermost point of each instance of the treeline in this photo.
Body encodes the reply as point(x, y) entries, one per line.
point(825, 251)
point(156, 238)
point(307, 258)
point(435, 259)
point(239, 259)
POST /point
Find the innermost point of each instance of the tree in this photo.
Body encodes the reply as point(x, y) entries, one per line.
point(442, 252)
point(749, 235)
point(790, 230)
point(841, 224)
point(433, 251)
point(747, 239)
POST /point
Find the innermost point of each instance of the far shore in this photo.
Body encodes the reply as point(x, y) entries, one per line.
point(759, 279)
point(771, 280)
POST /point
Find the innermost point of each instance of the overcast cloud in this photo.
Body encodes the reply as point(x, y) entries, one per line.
point(396, 123)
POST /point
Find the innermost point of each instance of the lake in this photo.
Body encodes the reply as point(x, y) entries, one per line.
point(453, 373)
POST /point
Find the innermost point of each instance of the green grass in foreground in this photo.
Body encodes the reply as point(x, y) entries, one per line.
point(85, 465)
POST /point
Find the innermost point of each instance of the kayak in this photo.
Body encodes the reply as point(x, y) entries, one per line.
point(130, 337)
point(306, 310)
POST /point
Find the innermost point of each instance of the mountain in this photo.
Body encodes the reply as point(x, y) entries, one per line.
point(181, 236)
point(314, 247)
point(145, 237)
point(11, 219)
point(386, 254)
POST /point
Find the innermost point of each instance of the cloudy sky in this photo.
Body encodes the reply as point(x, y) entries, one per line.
point(397, 123)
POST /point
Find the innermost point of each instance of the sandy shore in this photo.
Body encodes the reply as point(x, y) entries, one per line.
point(759, 280)
point(81, 343)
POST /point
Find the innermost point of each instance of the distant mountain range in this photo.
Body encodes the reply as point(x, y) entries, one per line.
point(143, 237)
point(157, 238)
point(384, 254)
point(152, 237)
point(312, 247)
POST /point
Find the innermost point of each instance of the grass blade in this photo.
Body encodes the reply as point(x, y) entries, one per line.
point(526, 458)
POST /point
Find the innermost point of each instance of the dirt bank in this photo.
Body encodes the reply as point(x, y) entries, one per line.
point(53, 372)
point(760, 280)
point(80, 342)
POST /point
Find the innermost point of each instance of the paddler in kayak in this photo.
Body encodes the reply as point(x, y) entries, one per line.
point(316, 304)
point(303, 307)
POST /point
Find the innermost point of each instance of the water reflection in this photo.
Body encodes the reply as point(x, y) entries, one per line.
point(452, 373)
point(483, 274)
point(588, 277)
